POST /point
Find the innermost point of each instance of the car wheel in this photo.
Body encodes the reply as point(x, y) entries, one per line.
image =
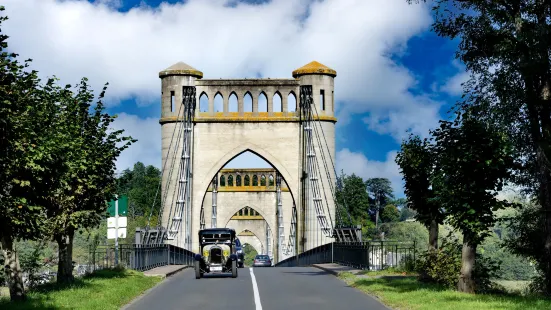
point(234, 269)
point(198, 273)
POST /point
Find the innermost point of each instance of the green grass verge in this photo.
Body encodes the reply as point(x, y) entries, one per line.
point(408, 293)
point(105, 289)
point(385, 272)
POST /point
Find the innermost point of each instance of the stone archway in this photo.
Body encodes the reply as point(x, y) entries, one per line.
point(248, 237)
point(256, 225)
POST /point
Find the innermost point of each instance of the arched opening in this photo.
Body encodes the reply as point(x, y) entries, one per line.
point(262, 102)
point(249, 254)
point(232, 103)
point(276, 102)
point(255, 180)
point(218, 102)
point(230, 180)
point(292, 102)
point(247, 102)
point(271, 180)
point(263, 180)
point(203, 103)
point(247, 181)
point(238, 180)
point(222, 181)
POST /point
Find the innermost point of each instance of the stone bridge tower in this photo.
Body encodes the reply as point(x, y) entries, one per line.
point(274, 133)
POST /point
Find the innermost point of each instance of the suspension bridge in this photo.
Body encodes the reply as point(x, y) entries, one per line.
point(289, 211)
point(296, 136)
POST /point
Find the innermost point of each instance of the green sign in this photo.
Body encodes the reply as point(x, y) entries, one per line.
point(123, 206)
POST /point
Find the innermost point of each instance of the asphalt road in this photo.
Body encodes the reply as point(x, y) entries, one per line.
point(269, 288)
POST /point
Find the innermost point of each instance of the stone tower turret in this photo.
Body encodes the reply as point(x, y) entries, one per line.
point(322, 80)
point(173, 79)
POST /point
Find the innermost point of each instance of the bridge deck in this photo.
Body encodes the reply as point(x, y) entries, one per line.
point(304, 288)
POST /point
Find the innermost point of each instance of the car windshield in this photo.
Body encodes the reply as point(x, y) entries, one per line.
point(262, 257)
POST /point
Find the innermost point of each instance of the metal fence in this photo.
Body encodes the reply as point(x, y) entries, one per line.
point(138, 257)
point(370, 255)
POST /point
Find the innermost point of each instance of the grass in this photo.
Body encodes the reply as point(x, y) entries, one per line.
point(105, 289)
point(408, 293)
point(385, 272)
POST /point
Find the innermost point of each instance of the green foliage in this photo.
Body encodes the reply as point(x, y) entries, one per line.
point(142, 186)
point(443, 266)
point(416, 160)
point(407, 213)
point(527, 238)
point(27, 142)
point(501, 46)
point(473, 164)
point(249, 254)
point(380, 190)
point(390, 214)
point(352, 194)
point(407, 232)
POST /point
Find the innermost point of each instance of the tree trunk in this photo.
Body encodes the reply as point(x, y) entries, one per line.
point(433, 235)
point(13, 270)
point(65, 261)
point(466, 282)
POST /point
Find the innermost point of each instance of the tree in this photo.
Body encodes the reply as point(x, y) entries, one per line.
point(381, 191)
point(352, 194)
point(28, 165)
point(473, 162)
point(91, 149)
point(390, 214)
point(502, 45)
point(407, 213)
point(416, 160)
point(140, 185)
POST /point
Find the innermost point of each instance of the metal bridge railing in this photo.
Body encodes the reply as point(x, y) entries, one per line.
point(139, 257)
point(370, 255)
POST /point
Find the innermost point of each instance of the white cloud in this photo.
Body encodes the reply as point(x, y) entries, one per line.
point(453, 86)
point(72, 39)
point(76, 38)
point(148, 147)
point(351, 162)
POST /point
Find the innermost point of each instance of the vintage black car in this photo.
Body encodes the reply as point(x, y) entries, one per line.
point(217, 252)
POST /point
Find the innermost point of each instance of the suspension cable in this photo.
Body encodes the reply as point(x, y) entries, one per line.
point(161, 180)
point(334, 168)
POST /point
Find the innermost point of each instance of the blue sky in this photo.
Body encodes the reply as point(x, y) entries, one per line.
point(393, 74)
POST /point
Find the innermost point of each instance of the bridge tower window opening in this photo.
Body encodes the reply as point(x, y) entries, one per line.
point(204, 102)
point(255, 180)
point(240, 212)
point(277, 104)
point(172, 101)
point(218, 102)
point(230, 180)
point(262, 102)
point(322, 99)
point(263, 180)
point(271, 180)
point(222, 181)
point(247, 180)
point(248, 102)
point(232, 103)
point(292, 102)
point(238, 180)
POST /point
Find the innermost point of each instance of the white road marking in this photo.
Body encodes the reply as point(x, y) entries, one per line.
point(255, 291)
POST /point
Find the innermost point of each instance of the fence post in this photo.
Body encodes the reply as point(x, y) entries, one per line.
point(332, 243)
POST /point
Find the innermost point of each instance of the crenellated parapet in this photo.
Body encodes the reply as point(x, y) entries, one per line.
point(249, 100)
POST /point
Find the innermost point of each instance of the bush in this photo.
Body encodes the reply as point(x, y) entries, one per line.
point(443, 266)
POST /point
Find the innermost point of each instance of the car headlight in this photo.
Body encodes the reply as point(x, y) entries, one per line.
point(226, 253)
point(206, 253)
